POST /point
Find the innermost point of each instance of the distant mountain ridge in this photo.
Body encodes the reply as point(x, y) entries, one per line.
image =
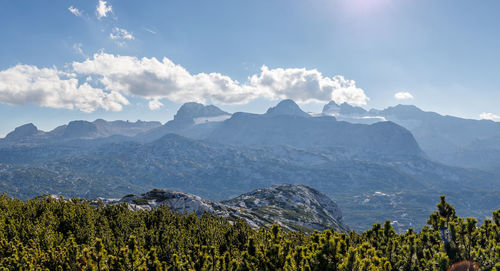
point(78, 129)
point(286, 124)
point(447, 139)
point(293, 207)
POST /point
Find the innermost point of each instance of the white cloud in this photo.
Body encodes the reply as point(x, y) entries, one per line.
point(303, 85)
point(75, 11)
point(48, 87)
point(153, 79)
point(150, 31)
point(489, 116)
point(77, 47)
point(103, 9)
point(403, 95)
point(154, 104)
point(120, 34)
point(107, 79)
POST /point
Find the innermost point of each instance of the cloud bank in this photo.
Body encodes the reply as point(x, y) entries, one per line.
point(48, 87)
point(489, 116)
point(304, 85)
point(115, 77)
point(403, 95)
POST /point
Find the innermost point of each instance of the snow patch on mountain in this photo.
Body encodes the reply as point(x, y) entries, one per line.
point(219, 118)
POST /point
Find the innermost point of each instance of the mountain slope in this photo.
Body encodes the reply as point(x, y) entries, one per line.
point(451, 140)
point(380, 139)
point(368, 191)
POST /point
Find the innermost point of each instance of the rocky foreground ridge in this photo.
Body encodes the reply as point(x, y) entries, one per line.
point(293, 207)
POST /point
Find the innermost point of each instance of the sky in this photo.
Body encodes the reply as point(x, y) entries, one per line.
point(63, 60)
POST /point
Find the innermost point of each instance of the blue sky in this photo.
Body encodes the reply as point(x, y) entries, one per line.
point(106, 59)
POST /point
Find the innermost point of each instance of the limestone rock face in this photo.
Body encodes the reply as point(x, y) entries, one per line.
point(296, 206)
point(293, 207)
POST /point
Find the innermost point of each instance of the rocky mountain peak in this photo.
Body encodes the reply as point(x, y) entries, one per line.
point(192, 110)
point(79, 128)
point(403, 109)
point(348, 109)
point(287, 107)
point(22, 131)
point(335, 109)
point(331, 108)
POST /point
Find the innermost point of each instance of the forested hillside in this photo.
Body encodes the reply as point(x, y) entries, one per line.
point(58, 234)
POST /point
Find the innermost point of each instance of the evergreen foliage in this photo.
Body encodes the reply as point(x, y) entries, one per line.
point(58, 234)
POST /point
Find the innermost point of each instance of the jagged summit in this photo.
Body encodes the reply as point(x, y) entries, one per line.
point(334, 109)
point(348, 109)
point(287, 107)
point(79, 129)
point(186, 122)
point(331, 108)
point(192, 110)
point(294, 207)
point(22, 132)
point(404, 109)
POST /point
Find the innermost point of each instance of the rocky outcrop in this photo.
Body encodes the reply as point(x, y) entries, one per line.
point(293, 207)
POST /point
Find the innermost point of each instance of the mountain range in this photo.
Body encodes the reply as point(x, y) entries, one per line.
point(29, 134)
point(373, 168)
point(447, 139)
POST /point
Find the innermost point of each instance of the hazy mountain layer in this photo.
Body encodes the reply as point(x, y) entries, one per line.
point(451, 140)
point(29, 134)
